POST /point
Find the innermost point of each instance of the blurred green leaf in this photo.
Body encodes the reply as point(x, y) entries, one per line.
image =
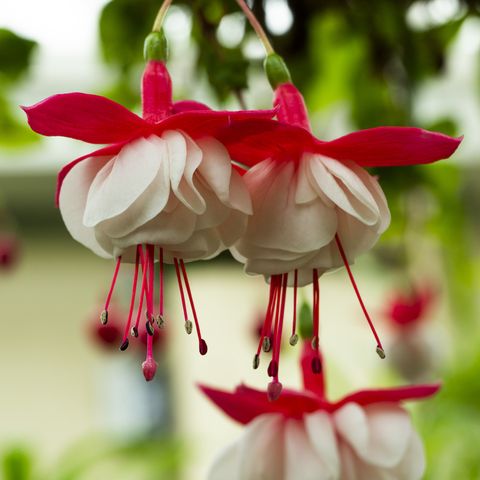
point(17, 464)
point(15, 55)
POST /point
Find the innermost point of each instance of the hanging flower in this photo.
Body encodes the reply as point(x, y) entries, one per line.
point(315, 206)
point(9, 250)
point(366, 435)
point(164, 190)
point(406, 311)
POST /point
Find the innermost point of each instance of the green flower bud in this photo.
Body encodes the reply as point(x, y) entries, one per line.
point(276, 70)
point(156, 47)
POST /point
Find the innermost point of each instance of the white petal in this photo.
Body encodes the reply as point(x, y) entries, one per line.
point(122, 181)
point(345, 189)
point(232, 228)
point(239, 198)
point(412, 466)
point(202, 245)
point(73, 198)
point(320, 430)
point(305, 192)
point(378, 433)
point(279, 223)
point(227, 464)
point(185, 157)
point(262, 449)
point(301, 460)
point(216, 167)
point(149, 204)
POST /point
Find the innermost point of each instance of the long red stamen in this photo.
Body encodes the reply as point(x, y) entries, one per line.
point(104, 315)
point(268, 315)
point(188, 323)
point(380, 350)
point(149, 325)
point(202, 345)
point(273, 366)
point(161, 301)
point(294, 337)
point(143, 263)
point(316, 310)
point(125, 342)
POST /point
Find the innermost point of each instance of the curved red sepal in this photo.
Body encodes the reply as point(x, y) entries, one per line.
point(245, 404)
point(105, 151)
point(198, 123)
point(395, 395)
point(256, 140)
point(390, 147)
point(291, 106)
point(188, 106)
point(91, 118)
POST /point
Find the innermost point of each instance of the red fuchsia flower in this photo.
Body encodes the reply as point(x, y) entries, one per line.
point(406, 311)
point(164, 190)
point(9, 250)
point(366, 435)
point(316, 208)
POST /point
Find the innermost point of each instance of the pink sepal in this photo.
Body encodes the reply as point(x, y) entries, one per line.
point(156, 92)
point(390, 147)
point(245, 404)
point(395, 395)
point(91, 118)
point(188, 106)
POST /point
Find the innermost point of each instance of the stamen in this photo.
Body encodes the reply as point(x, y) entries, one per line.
point(294, 336)
point(279, 322)
point(104, 314)
point(182, 295)
point(316, 310)
point(266, 344)
point(316, 365)
point(188, 327)
point(161, 301)
point(380, 350)
point(202, 344)
point(265, 340)
point(143, 262)
point(132, 302)
point(256, 361)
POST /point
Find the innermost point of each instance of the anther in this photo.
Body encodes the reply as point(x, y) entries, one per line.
point(256, 361)
point(315, 343)
point(316, 365)
point(150, 329)
point(104, 317)
point(160, 321)
point(293, 340)
point(380, 352)
point(274, 390)
point(134, 332)
point(124, 345)
point(188, 326)
point(203, 347)
point(267, 344)
point(272, 369)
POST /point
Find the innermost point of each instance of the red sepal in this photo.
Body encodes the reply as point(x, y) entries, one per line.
point(91, 118)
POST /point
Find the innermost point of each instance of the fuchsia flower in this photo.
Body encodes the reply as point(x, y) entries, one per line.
point(164, 190)
point(315, 206)
point(366, 435)
point(405, 311)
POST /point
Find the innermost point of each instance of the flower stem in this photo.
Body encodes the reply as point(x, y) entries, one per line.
point(157, 25)
point(257, 27)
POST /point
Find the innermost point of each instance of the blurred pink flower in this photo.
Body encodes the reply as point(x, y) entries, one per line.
point(9, 250)
point(366, 435)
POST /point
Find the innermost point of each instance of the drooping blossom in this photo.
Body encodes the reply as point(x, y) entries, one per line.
point(316, 208)
point(367, 435)
point(406, 310)
point(9, 250)
point(413, 351)
point(163, 190)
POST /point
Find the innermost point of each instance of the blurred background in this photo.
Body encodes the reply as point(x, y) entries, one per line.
point(73, 407)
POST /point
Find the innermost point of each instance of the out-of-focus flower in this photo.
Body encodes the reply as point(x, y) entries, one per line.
point(412, 352)
point(366, 435)
point(315, 206)
point(9, 250)
point(165, 189)
point(407, 311)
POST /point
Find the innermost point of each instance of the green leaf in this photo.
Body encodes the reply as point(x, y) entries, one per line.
point(15, 55)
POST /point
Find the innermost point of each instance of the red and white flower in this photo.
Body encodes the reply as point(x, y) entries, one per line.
point(366, 435)
point(164, 189)
point(315, 206)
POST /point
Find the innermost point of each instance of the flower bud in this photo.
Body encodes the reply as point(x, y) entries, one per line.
point(156, 47)
point(276, 70)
